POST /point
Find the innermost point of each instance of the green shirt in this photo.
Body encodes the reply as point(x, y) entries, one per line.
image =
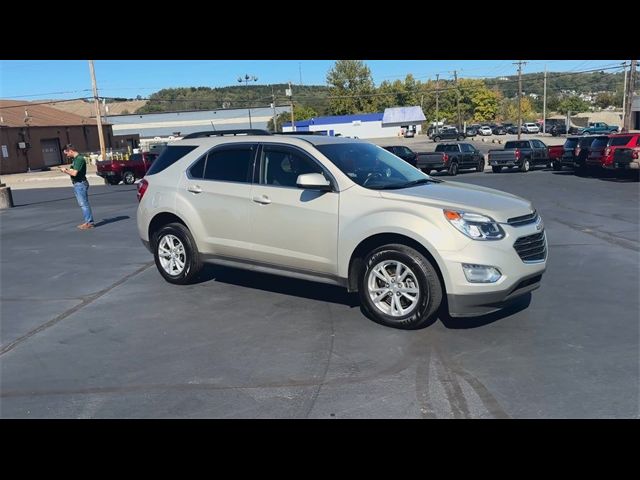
point(79, 164)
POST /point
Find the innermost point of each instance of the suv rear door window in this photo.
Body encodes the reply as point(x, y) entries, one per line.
point(229, 164)
point(169, 156)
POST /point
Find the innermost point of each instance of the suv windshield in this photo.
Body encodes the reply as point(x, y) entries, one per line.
point(373, 167)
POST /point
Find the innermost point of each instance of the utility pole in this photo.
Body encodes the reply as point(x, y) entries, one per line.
point(275, 115)
point(300, 67)
point(96, 101)
point(630, 88)
point(290, 95)
point(519, 63)
point(437, 85)
point(544, 103)
point(624, 94)
point(455, 76)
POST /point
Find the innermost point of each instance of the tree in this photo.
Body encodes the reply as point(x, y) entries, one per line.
point(351, 88)
point(301, 112)
point(574, 104)
point(605, 99)
point(509, 110)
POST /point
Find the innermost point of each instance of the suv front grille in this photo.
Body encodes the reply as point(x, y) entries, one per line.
point(523, 220)
point(531, 248)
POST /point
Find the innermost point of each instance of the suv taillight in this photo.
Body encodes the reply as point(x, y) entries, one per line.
point(142, 188)
point(607, 151)
point(635, 155)
point(517, 154)
point(577, 152)
point(445, 157)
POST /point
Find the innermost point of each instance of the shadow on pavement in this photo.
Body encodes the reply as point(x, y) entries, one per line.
point(106, 221)
point(277, 284)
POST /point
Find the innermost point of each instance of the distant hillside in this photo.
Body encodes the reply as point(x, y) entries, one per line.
point(86, 109)
point(241, 96)
point(558, 81)
point(316, 96)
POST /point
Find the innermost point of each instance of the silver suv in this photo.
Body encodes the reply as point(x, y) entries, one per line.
point(340, 211)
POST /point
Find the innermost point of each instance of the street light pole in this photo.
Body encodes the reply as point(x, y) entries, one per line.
point(246, 79)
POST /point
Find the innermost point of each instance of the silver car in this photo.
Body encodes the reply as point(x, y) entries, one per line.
point(340, 211)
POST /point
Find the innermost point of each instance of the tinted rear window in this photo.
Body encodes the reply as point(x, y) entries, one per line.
point(619, 141)
point(600, 143)
point(169, 156)
point(571, 143)
point(136, 157)
point(519, 144)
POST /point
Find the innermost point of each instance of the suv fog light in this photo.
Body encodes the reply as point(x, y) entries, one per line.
point(481, 273)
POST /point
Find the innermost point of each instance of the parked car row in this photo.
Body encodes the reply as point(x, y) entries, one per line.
point(594, 154)
point(449, 157)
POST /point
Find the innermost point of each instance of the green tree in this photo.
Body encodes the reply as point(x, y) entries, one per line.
point(574, 104)
point(301, 112)
point(351, 88)
point(605, 99)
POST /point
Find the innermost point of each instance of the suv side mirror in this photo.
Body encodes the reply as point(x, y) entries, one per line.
point(313, 181)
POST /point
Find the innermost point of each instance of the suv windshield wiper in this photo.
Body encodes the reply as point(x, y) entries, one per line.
point(398, 186)
point(421, 181)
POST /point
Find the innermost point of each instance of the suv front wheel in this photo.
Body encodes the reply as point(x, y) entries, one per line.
point(176, 254)
point(399, 287)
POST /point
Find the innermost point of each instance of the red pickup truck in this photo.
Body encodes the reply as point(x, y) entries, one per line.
point(555, 156)
point(127, 171)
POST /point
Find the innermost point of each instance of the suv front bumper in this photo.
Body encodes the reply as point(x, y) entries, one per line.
point(483, 303)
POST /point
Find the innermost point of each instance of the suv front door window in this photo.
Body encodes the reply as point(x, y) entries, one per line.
point(280, 212)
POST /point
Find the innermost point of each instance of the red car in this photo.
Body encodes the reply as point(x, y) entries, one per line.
point(127, 171)
point(622, 140)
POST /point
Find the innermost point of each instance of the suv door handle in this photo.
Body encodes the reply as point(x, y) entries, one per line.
point(263, 199)
point(194, 188)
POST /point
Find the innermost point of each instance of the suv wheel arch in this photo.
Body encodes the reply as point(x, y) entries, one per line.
point(356, 262)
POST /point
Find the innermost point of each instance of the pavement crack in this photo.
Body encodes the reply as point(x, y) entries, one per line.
point(314, 396)
point(87, 301)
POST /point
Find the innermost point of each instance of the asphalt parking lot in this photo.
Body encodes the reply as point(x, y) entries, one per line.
point(91, 330)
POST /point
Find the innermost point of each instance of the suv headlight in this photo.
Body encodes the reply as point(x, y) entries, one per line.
point(474, 225)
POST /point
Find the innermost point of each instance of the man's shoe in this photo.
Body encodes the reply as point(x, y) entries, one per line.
point(81, 225)
point(86, 226)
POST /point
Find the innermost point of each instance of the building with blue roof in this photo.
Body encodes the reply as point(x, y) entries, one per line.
point(393, 122)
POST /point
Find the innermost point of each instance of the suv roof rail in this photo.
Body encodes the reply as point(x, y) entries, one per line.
point(220, 133)
point(300, 133)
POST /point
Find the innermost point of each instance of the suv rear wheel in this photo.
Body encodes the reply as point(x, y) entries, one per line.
point(399, 287)
point(176, 255)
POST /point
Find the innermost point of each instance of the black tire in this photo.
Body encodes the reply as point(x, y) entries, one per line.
point(191, 257)
point(430, 293)
point(436, 139)
point(112, 180)
point(496, 169)
point(557, 166)
point(526, 165)
point(453, 169)
point(128, 178)
point(460, 138)
point(480, 167)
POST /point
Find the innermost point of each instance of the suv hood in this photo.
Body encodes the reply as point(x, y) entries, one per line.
point(462, 196)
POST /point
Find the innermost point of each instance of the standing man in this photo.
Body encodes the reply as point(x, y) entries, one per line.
point(78, 173)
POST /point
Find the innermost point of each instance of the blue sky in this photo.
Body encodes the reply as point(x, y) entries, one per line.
point(65, 79)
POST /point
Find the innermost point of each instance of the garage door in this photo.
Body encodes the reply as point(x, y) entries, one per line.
point(51, 152)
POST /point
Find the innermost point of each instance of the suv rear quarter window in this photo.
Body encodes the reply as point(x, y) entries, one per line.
point(169, 156)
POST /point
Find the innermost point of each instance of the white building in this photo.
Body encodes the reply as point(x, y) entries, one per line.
point(393, 122)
